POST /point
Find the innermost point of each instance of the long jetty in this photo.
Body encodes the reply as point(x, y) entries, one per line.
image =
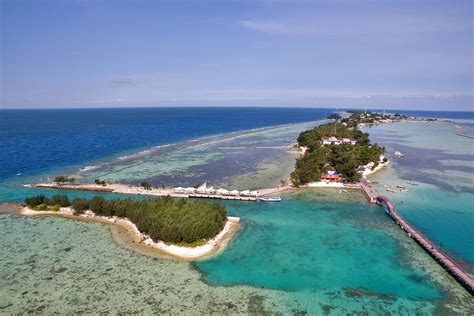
point(440, 256)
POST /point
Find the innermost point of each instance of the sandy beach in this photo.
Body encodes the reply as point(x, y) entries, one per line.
point(325, 184)
point(380, 166)
point(211, 247)
point(113, 188)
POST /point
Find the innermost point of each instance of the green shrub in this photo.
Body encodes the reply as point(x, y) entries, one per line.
point(98, 205)
point(41, 207)
point(79, 205)
point(56, 208)
point(60, 199)
point(99, 182)
point(34, 201)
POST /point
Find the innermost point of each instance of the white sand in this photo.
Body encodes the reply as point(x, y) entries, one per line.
point(380, 166)
point(325, 184)
point(196, 252)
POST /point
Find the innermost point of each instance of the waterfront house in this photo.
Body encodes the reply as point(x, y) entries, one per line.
point(337, 140)
point(331, 175)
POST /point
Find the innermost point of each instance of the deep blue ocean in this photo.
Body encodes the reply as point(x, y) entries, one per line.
point(34, 141)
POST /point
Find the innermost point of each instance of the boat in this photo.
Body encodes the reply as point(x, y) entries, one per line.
point(399, 154)
point(270, 199)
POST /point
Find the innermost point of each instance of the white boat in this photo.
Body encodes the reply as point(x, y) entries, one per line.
point(270, 199)
point(399, 154)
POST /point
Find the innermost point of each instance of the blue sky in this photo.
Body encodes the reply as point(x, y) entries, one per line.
point(384, 54)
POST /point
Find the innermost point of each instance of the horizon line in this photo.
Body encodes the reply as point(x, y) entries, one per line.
point(226, 106)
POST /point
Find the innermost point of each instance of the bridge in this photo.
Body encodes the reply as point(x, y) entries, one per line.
point(440, 256)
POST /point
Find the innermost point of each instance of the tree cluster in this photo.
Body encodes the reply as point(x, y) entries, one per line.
point(166, 219)
point(146, 185)
point(41, 202)
point(99, 182)
point(63, 179)
point(345, 158)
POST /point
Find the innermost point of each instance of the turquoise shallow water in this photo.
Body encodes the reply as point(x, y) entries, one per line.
point(305, 243)
point(441, 164)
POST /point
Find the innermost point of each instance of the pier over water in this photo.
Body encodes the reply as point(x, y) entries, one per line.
point(440, 256)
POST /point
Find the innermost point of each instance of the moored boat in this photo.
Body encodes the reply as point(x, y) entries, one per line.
point(270, 199)
point(399, 154)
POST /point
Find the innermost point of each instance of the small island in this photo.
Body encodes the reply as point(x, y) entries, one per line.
point(337, 151)
point(182, 228)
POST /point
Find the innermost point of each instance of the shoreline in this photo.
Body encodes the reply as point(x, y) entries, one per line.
point(144, 242)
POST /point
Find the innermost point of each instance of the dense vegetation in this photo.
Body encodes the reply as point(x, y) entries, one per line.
point(166, 219)
point(41, 202)
point(346, 159)
point(100, 182)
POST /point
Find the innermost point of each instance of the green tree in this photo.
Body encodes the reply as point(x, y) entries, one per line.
point(63, 179)
point(146, 185)
point(98, 205)
point(36, 200)
point(61, 200)
point(99, 182)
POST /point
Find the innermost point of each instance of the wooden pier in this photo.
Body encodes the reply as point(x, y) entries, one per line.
point(465, 135)
point(440, 256)
point(369, 192)
point(222, 197)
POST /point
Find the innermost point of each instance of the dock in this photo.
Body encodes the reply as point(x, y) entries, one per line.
point(192, 193)
point(465, 135)
point(451, 266)
point(222, 197)
point(369, 192)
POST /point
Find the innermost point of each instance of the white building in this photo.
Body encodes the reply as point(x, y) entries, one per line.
point(337, 141)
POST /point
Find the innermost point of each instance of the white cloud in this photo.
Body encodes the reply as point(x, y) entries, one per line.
point(360, 25)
